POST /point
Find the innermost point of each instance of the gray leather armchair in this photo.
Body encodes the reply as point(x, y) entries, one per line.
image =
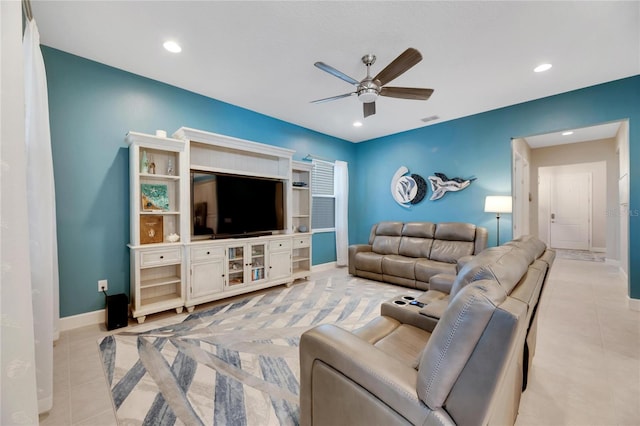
point(393, 373)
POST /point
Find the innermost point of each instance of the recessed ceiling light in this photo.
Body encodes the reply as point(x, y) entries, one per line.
point(542, 68)
point(567, 133)
point(172, 46)
point(357, 124)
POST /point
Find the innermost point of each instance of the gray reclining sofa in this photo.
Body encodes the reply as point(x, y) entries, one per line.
point(409, 254)
point(466, 365)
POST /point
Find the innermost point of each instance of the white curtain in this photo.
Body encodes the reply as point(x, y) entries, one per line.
point(42, 214)
point(341, 191)
point(17, 359)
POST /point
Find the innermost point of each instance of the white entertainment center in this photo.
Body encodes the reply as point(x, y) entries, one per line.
point(172, 274)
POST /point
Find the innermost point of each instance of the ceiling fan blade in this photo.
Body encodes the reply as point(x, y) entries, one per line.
point(333, 98)
point(331, 70)
point(369, 109)
point(406, 93)
point(398, 66)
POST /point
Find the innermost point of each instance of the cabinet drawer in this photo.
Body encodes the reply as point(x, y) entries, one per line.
point(301, 241)
point(160, 257)
point(206, 253)
point(276, 245)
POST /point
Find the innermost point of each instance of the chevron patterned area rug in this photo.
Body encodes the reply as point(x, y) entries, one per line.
point(234, 364)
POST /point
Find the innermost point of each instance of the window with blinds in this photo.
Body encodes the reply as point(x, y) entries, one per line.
point(323, 216)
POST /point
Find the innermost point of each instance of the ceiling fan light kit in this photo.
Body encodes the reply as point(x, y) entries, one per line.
point(370, 88)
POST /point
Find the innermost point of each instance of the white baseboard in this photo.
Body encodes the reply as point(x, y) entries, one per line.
point(324, 267)
point(634, 304)
point(98, 317)
point(82, 320)
point(612, 262)
point(599, 249)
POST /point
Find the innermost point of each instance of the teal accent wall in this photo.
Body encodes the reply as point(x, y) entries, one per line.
point(324, 248)
point(480, 146)
point(92, 107)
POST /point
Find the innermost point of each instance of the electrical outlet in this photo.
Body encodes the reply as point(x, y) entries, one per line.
point(103, 285)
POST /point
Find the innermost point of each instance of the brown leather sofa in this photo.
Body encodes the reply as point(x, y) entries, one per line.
point(409, 254)
point(466, 367)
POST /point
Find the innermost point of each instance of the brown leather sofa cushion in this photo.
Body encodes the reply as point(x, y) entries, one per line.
point(419, 229)
point(384, 244)
point(369, 261)
point(415, 247)
point(399, 266)
point(450, 251)
point(455, 231)
point(425, 269)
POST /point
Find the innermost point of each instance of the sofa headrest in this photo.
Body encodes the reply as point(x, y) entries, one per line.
point(419, 229)
point(531, 244)
point(389, 228)
point(504, 264)
point(455, 231)
point(454, 339)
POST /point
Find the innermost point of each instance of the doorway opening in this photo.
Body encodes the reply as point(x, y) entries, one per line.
point(584, 173)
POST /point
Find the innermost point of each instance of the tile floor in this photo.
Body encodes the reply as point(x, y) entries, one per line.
point(586, 370)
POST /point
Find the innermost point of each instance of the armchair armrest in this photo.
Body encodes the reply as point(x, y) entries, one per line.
point(353, 250)
point(389, 380)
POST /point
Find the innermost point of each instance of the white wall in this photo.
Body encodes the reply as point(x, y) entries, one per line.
point(604, 233)
point(521, 186)
point(622, 147)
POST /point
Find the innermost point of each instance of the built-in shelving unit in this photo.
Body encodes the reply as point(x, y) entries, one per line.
point(157, 278)
point(301, 218)
point(167, 274)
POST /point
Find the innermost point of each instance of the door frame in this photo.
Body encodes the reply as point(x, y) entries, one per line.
point(521, 194)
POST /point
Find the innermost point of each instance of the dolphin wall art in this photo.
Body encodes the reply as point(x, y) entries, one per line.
point(441, 184)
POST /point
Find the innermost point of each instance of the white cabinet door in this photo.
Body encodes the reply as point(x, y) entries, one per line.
point(207, 278)
point(279, 259)
point(246, 263)
point(279, 265)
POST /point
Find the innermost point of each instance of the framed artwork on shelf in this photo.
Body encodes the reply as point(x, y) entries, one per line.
point(154, 197)
point(151, 229)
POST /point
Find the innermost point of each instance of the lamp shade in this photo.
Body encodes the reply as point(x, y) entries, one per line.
point(497, 204)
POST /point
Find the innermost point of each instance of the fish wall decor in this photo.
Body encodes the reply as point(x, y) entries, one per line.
point(406, 189)
point(441, 184)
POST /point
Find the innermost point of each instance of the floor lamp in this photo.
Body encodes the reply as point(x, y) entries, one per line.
point(497, 204)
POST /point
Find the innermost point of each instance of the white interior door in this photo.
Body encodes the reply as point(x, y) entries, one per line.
point(570, 211)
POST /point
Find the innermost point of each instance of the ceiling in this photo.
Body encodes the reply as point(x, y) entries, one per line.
point(478, 56)
point(584, 134)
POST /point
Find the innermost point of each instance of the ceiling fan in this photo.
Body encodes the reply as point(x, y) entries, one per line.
point(370, 88)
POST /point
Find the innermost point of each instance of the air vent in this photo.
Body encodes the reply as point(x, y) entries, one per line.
point(430, 118)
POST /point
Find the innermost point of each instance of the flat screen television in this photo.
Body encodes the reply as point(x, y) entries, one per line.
point(228, 206)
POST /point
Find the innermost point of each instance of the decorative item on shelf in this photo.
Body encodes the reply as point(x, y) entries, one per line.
point(407, 190)
point(441, 184)
point(303, 228)
point(173, 238)
point(152, 166)
point(144, 163)
point(299, 184)
point(170, 167)
point(151, 229)
point(154, 197)
point(497, 204)
point(161, 133)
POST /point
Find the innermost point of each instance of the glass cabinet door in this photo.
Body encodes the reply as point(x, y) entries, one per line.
point(257, 262)
point(236, 265)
